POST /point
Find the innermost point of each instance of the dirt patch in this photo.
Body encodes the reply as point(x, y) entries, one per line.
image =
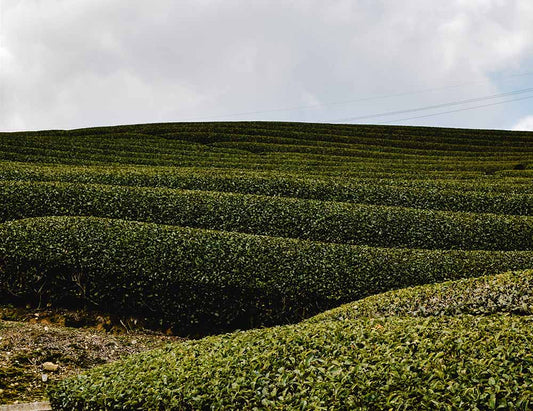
point(81, 319)
point(28, 340)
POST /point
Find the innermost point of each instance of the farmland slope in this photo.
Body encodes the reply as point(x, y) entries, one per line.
point(217, 226)
point(210, 227)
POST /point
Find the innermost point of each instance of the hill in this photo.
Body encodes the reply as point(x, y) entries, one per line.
point(449, 346)
point(213, 227)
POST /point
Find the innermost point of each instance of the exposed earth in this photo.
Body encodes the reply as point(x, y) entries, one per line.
point(73, 341)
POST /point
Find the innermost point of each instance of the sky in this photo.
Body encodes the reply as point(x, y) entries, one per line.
point(78, 63)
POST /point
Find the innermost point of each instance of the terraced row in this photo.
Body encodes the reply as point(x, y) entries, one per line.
point(207, 227)
point(485, 196)
point(194, 142)
point(390, 187)
point(177, 275)
point(279, 145)
point(325, 221)
point(324, 132)
point(400, 350)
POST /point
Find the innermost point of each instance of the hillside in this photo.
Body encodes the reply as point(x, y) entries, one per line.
point(421, 348)
point(212, 227)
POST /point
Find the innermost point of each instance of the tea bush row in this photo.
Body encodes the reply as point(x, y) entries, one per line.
point(430, 196)
point(510, 293)
point(172, 176)
point(329, 132)
point(362, 361)
point(273, 216)
point(204, 281)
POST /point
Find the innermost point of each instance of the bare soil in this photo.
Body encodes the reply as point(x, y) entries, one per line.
point(73, 340)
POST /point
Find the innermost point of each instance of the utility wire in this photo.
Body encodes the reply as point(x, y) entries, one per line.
point(456, 111)
point(452, 103)
point(346, 102)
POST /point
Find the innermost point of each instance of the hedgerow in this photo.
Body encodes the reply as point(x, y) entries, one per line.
point(446, 197)
point(361, 360)
point(444, 193)
point(272, 216)
point(207, 280)
point(510, 292)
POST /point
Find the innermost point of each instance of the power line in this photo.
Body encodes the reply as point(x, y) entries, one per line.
point(448, 104)
point(458, 110)
point(346, 102)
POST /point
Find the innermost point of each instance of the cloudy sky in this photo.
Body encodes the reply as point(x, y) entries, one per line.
point(77, 63)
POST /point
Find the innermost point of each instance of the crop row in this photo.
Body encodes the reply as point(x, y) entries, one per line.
point(24, 170)
point(238, 146)
point(380, 153)
point(510, 293)
point(291, 162)
point(371, 141)
point(273, 216)
point(324, 189)
point(135, 143)
point(143, 145)
point(328, 132)
point(204, 142)
point(206, 280)
point(362, 360)
point(172, 176)
point(234, 152)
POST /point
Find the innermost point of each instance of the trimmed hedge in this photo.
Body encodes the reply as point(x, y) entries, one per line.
point(184, 177)
point(273, 216)
point(203, 281)
point(510, 292)
point(364, 361)
point(424, 196)
point(403, 136)
point(325, 148)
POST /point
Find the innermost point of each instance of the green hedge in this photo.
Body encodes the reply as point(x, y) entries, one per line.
point(325, 148)
point(424, 196)
point(203, 280)
point(365, 361)
point(179, 177)
point(274, 216)
point(380, 353)
point(404, 136)
point(510, 292)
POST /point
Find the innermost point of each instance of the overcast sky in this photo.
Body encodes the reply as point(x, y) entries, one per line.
point(78, 63)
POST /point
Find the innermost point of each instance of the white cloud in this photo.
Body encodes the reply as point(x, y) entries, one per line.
point(524, 124)
point(90, 62)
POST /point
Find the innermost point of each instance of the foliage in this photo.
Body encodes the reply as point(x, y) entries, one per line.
point(273, 216)
point(176, 273)
point(364, 361)
point(217, 226)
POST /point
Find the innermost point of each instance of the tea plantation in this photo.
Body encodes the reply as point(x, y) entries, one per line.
point(215, 227)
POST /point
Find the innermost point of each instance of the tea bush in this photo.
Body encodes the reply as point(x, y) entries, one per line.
point(400, 360)
point(273, 216)
point(205, 280)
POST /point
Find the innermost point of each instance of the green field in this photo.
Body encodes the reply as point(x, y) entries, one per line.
point(208, 228)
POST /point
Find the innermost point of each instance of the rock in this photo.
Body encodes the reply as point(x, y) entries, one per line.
point(50, 366)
